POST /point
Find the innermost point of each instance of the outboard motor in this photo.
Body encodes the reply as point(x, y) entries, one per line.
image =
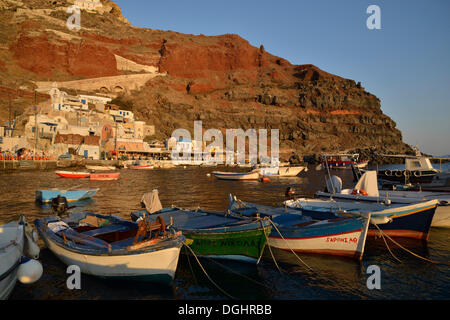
point(59, 205)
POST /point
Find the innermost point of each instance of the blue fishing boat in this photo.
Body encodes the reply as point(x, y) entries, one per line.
point(71, 195)
point(411, 220)
point(341, 236)
point(111, 247)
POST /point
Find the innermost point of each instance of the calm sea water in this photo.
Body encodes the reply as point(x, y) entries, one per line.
point(333, 277)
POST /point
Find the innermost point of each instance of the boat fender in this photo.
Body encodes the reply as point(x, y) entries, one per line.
point(398, 173)
point(444, 203)
point(387, 202)
point(417, 173)
point(388, 173)
point(31, 248)
point(29, 271)
point(359, 192)
point(380, 220)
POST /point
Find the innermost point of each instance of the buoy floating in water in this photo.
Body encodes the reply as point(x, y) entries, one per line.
point(29, 271)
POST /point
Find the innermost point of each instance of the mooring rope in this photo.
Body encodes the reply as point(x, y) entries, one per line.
point(270, 250)
point(190, 267)
point(207, 275)
point(409, 251)
point(385, 242)
point(287, 243)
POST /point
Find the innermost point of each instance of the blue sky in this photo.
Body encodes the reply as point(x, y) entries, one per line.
point(406, 64)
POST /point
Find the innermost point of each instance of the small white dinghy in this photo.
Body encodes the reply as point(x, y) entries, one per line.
point(252, 175)
point(17, 241)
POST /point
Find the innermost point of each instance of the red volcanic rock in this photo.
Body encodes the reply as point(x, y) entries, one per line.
point(196, 60)
point(44, 57)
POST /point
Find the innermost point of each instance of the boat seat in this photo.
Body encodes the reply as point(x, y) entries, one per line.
point(106, 229)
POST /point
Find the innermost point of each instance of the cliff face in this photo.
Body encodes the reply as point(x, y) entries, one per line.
point(222, 80)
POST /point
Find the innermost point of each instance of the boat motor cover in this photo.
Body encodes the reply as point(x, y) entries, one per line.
point(151, 202)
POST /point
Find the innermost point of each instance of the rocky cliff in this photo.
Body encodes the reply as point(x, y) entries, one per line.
point(222, 80)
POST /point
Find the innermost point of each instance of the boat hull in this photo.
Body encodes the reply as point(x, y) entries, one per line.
point(104, 176)
point(149, 167)
point(441, 218)
point(346, 164)
point(338, 237)
point(409, 221)
point(159, 266)
point(72, 175)
point(101, 168)
point(244, 246)
point(46, 196)
point(9, 258)
point(209, 237)
point(121, 259)
point(236, 175)
point(414, 224)
point(281, 171)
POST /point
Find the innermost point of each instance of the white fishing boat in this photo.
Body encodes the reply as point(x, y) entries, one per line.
point(17, 242)
point(110, 247)
point(366, 190)
point(252, 175)
point(282, 171)
point(101, 168)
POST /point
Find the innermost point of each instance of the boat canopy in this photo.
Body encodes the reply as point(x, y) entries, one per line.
point(419, 163)
point(368, 182)
point(151, 201)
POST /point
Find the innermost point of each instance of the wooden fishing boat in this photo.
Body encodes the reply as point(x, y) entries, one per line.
point(104, 176)
point(110, 247)
point(100, 168)
point(14, 264)
point(282, 171)
point(336, 236)
point(215, 234)
point(72, 174)
point(141, 167)
point(45, 196)
point(366, 190)
point(396, 220)
point(252, 175)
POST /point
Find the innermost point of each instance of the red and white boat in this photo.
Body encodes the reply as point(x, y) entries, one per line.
point(345, 161)
point(72, 174)
point(104, 176)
